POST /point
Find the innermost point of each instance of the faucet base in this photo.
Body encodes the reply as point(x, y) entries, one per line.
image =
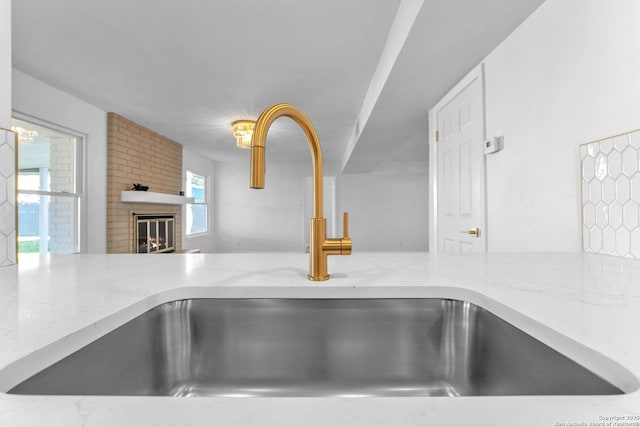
point(318, 278)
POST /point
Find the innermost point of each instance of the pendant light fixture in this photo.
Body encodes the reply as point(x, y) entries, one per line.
point(242, 130)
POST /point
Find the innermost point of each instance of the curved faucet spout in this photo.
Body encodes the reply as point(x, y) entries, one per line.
point(319, 246)
point(260, 130)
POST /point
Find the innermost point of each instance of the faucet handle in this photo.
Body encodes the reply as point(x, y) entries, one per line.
point(345, 242)
point(345, 224)
point(338, 245)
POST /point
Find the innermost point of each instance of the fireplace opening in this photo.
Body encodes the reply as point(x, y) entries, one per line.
point(155, 233)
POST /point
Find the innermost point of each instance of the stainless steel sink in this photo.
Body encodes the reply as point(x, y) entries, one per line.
point(316, 347)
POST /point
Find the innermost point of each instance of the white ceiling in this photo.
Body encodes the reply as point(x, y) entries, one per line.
point(187, 69)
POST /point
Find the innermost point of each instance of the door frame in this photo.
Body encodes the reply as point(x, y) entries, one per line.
point(476, 73)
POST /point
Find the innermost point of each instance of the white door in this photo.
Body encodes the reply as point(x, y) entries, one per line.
point(460, 170)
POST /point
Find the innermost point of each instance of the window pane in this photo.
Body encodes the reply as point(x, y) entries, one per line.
point(47, 224)
point(46, 158)
point(29, 180)
point(196, 187)
point(196, 219)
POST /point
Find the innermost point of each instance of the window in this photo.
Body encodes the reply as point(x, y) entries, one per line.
point(49, 189)
point(196, 220)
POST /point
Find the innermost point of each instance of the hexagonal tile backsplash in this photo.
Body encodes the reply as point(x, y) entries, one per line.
point(7, 198)
point(611, 196)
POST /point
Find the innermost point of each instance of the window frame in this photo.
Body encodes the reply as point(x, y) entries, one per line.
point(207, 178)
point(80, 177)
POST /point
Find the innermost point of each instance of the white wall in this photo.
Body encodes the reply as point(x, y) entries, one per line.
point(249, 220)
point(5, 64)
point(41, 101)
point(568, 75)
point(197, 163)
point(387, 212)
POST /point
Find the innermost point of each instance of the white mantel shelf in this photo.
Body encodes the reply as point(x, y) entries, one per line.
point(156, 198)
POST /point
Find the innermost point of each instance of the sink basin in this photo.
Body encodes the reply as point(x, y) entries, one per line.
point(316, 347)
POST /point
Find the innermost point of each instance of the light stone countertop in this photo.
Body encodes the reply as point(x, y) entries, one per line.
point(586, 306)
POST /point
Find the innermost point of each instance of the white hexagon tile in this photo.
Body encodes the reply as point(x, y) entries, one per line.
point(7, 198)
point(610, 181)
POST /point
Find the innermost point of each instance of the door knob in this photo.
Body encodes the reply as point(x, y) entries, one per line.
point(475, 232)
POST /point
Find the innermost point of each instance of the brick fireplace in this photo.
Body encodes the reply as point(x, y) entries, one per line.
point(139, 155)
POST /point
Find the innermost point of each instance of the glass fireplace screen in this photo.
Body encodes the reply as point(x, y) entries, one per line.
point(155, 233)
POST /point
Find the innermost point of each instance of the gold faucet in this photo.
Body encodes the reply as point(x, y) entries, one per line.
point(319, 246)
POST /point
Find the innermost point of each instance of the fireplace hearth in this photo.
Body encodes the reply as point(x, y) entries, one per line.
point(155, 233)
